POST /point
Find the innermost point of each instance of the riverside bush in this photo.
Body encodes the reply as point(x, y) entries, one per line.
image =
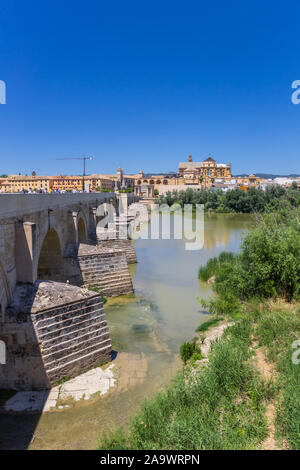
point(213, 265)
point(268, 264)
point(187, 350)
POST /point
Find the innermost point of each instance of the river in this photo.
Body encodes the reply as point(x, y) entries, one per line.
point(147, 330)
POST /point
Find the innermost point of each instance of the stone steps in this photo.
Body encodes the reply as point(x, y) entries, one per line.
point(72, 367)
point(51, 345)
point(43, 318)
point(114, 289)
point(106, 270)
point(72, 350)
point(107, 277)
point(72, 336)
point(59, 330)
point(49, 324)
point(124, 246)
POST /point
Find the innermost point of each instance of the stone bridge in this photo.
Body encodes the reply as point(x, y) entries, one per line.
point(53, 275)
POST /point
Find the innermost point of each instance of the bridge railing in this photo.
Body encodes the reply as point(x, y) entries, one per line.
point(14, 205)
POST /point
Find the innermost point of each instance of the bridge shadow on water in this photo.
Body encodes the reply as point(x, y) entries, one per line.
point(17, 430)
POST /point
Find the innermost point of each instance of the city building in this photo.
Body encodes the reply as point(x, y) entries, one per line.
point(207, 174)
point(17, 183)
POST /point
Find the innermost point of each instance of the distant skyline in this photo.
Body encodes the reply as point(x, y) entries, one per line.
point(143, 85)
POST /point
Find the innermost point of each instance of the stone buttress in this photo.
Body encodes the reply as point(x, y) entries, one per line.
point(105, 269)
point(52, 331)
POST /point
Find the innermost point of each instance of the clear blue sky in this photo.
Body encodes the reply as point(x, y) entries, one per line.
point(143, 84)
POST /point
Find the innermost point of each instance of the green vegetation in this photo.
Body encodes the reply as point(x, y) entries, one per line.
point(236, 200)
point(189, 350)
point(223, 405)
point(208, 324)
point(98, 290)
point(277, 328)
point(267, 265)
point(220, 407)
point(267, 269)
point(212, 266)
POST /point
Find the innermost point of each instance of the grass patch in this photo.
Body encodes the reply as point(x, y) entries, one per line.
point(212, 266)
point(219, 407)
point(61, 381)
point(187, 350)
point(277, 329)
point(98, 290)
point(208, 324)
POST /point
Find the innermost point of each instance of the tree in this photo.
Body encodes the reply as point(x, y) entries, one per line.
point(294, 185)
point(33, 173)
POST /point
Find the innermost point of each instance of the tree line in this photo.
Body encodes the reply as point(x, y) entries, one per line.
point(236, 200)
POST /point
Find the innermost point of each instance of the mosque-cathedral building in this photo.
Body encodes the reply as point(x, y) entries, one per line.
point(209, 168)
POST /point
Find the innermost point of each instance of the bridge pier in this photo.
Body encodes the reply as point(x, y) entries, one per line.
point(105, 269)
point(52, 331)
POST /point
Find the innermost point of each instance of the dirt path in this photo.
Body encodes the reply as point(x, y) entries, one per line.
point(266, 370)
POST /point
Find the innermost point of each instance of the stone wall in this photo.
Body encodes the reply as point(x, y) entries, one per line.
point(164, 188)
point(106, 269)
point(52, 331)
point(124, 246)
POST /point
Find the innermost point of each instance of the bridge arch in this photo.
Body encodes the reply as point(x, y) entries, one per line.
point(5, 293)
point(81, 230)
point(50, 257)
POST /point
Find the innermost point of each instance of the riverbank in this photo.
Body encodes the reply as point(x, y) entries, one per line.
point(245, 393)
point(148, 327)
point(245, 397)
